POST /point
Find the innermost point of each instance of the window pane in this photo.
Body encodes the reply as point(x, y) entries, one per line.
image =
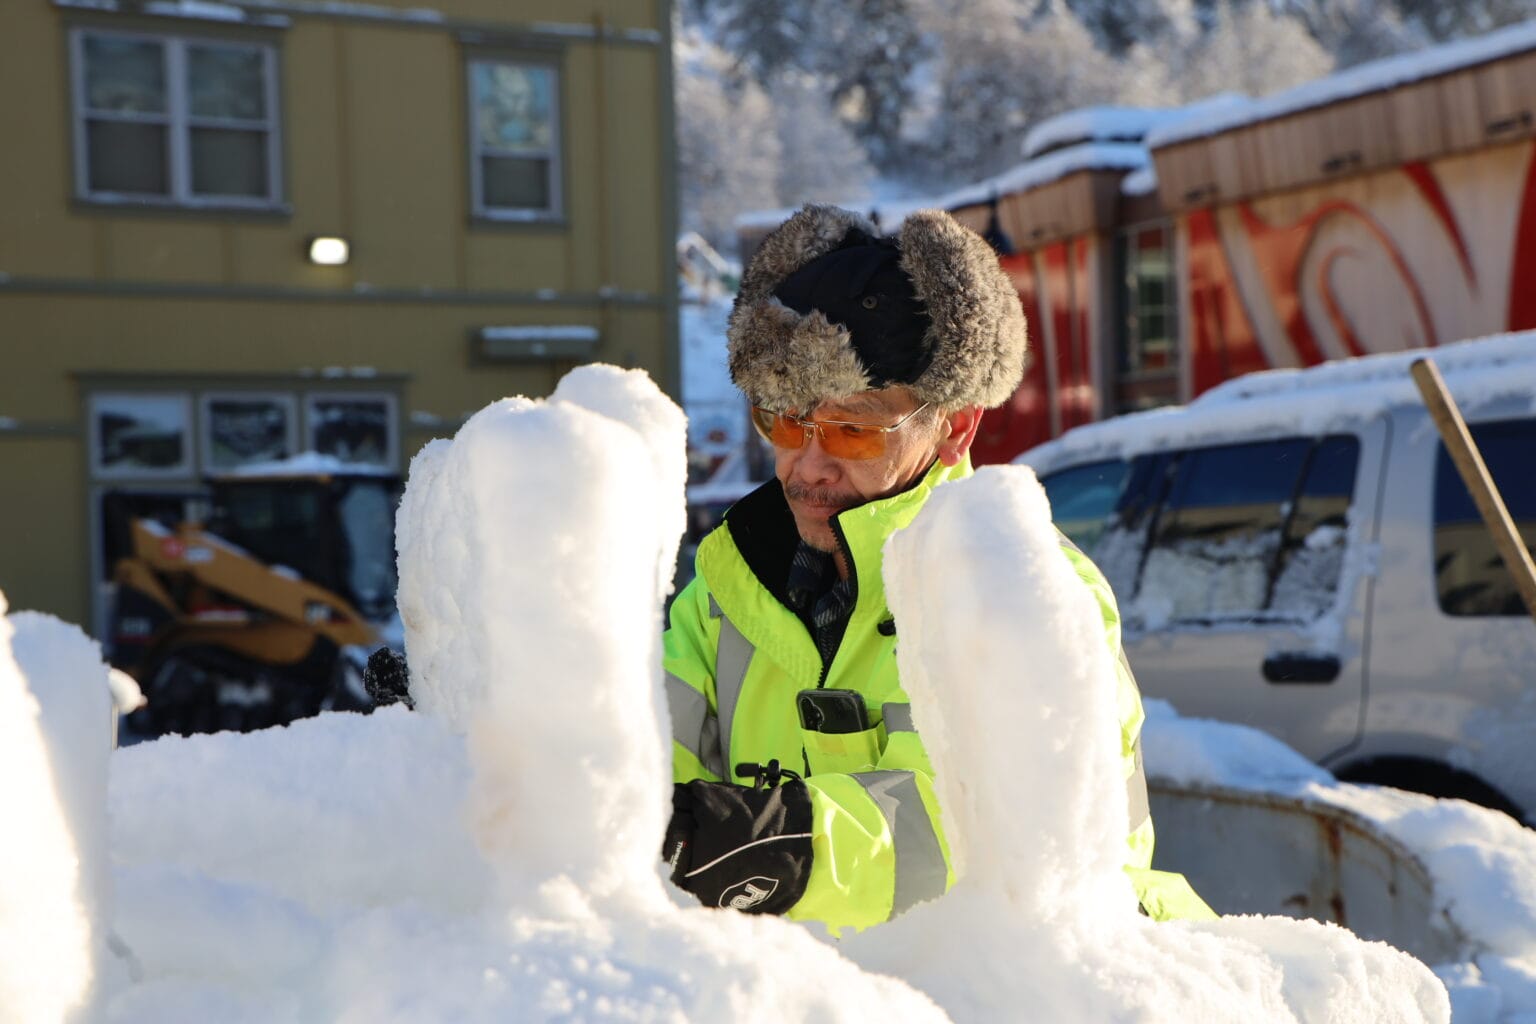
point(1469, 574)
point(514, 107)
point(246, 430)
point(124, 74)
point(229, 163)
point(515, 182)
point(140, 434)
point(1220, 531)
point(352, 429)
point(1119, 549)
point(126, 158)
point(1148, 297)
point(1313, 557)
point(1083, 497)
point(227, 81)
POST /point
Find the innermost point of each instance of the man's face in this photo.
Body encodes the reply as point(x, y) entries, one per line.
point(818, 486)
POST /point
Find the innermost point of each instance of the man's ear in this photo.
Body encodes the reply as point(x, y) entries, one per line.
point(961, 431)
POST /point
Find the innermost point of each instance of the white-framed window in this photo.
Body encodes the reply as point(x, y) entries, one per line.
point(175, 121)
point(353, 426)
point(514, 133)
point(140, 435)
point(244, 427)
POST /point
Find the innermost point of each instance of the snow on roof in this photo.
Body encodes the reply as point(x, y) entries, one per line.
point(308, 464)
point(1089, 156)
point(1140, 183)
point(195, 8)
point(1309, 402)
point(1094, 124)
point(1372, 76)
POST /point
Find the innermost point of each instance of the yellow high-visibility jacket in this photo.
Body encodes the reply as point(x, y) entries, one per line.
point(736, 656)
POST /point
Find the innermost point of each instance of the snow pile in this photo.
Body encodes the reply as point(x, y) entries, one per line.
point(1482, 863)
point(495, 856)
point(55, 719)
point(1043, 917)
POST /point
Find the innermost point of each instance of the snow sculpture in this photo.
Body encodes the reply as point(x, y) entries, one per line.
point(55, 735)
point(1002, 652)
point(530, 548)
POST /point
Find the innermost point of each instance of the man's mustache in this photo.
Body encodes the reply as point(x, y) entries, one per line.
point(819, 496)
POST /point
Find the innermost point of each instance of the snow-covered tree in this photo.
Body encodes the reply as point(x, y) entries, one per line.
point(862, 51)
point(820, 158)
point(1356, 30)
point(727, 143)
point(1004, 65)
point(1247, 48)
point(1117, 25)
point(1439, 20)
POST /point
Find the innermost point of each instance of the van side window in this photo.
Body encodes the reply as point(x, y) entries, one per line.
point(1312, 553)
point(1218, 534)
point(1083, 497)
point(1470, 577)
point(1248, 531)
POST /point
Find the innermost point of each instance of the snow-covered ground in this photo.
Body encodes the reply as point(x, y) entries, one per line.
point(494, 855)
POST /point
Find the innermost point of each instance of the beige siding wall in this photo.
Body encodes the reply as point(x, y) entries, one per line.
point(374, 143)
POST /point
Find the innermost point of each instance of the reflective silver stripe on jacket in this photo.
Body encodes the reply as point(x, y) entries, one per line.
point(732, 656)
point(1136, 785)
point(898, 717)
point(694, 725)
point(920, 869)
point(1136, 793)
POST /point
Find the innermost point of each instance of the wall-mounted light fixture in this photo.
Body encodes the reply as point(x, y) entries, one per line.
point(329, 250)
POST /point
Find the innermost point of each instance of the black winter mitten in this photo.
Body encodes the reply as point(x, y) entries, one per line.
point(741, 848)
point(386, 679)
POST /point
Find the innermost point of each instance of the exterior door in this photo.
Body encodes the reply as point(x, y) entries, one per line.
point(1246, 598)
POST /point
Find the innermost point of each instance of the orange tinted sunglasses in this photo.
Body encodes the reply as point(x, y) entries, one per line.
point(840, 439)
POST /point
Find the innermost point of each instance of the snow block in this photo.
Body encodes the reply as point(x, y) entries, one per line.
point(55, 736)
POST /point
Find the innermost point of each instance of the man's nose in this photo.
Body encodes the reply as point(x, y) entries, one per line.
point(814, 464)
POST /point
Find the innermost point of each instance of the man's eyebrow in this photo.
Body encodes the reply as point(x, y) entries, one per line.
point(858, 404)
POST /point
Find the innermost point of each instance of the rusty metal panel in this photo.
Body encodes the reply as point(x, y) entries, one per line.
point(1264, 853)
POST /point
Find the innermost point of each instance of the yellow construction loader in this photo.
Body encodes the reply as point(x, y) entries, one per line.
point(265, 612)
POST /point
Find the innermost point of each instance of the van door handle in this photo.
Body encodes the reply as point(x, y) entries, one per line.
point(1301, 668)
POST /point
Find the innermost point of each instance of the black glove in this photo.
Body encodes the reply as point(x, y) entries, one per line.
point(386, 679)
point(742, 848)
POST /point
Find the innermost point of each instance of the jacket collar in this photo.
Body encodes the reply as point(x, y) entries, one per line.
point(763, 531)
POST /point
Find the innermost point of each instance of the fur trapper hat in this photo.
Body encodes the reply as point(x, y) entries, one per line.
point(813, 320)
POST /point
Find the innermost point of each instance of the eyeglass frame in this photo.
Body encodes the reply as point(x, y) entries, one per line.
point(814, 426)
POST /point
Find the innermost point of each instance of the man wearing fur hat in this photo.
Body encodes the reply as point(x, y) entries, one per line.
point(802, 788)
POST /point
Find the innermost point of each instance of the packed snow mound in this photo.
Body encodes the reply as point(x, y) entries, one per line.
point(1043, 916)
point(556, 655)
point(1482, 862)
point(55, 716)
point(495, 856)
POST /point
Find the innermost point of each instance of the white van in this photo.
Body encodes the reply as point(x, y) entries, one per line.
point(1294, 550)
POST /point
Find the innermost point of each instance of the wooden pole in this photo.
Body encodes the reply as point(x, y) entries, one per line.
point(1474, 472)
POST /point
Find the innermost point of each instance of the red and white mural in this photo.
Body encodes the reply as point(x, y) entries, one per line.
point(1423, 254)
